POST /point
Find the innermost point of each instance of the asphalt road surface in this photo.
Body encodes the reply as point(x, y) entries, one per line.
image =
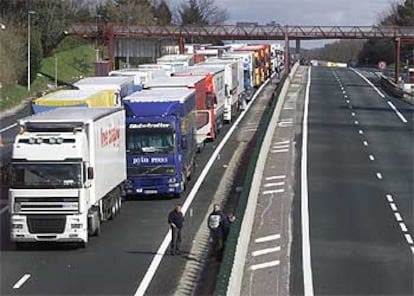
point(360, 181)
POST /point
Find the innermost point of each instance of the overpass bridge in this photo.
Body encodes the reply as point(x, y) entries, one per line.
point(106, 33)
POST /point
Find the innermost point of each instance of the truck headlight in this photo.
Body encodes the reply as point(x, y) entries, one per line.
point(17, 207)
point(76, 225)
point(17, 226)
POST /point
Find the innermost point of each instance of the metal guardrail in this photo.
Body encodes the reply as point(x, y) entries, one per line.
point(224, 274)
point(395, 91)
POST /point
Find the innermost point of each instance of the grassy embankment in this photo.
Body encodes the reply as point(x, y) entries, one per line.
point(75, 58)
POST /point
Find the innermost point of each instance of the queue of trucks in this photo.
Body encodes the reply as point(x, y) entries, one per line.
point(135, 132)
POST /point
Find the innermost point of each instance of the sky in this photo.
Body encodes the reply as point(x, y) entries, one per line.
point(306, 12)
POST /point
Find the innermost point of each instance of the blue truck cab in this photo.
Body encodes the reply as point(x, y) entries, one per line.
point(161, 140)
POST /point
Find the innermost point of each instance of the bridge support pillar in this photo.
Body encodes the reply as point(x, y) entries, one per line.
point(397, 59)
point(297, 50)
point(287, 53)
point(181, 47)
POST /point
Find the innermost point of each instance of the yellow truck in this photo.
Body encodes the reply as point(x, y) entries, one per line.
point(73, 98)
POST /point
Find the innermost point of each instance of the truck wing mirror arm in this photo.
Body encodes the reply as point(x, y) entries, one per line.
point(91, 173)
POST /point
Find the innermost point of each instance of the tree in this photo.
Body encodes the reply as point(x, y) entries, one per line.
point(128, 11)
point(201, 12)
point(400, 14)
point(162, 13)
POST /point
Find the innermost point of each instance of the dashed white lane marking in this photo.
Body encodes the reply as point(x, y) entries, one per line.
point(285, 123)
point(409, 238)
point(398, 112)
point(3, 210)
point(275, 177)
point(345, 96)
point(348, 101)
point(281, 142)
point(371, 157)
point(356, 122)
point(365, 143)
point(265, 251)
point(393, 206)
point(8, 127)
point(267, 238)
point(279, 151)
point(344, 92)
point(273, 191)
point(379, 175)
point(274, 184)
point(361, 132)
point(398, 217)
point(288, 108)
point(389, 197)
point(280, 146)
point(403, 227)
point(412, 250)
point(265, 265)
point(21, 281)
point(251, 129)
point(352, 114)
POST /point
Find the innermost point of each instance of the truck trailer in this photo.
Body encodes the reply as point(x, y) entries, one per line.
point(161, 141)
point(231, 85)
point(215, 90)
point(75, 98)
point(123, 85)
point(68, 170)
point(204, 105)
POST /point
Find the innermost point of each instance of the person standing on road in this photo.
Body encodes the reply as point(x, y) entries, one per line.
point(176, 221)
point(218, 225)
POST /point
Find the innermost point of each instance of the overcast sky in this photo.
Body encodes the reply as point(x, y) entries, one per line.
point(306, 12)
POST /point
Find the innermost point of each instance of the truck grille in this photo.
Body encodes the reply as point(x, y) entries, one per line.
point(151, 171)
point(47, 204)
point(46, 223)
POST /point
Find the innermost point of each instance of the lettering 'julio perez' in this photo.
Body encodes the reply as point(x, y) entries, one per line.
point(110, 136)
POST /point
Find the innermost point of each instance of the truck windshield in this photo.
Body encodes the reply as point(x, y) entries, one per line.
point(150, 141)
point(46, 175)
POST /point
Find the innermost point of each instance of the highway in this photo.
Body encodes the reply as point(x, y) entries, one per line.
point(360, 188)
point(118, 261)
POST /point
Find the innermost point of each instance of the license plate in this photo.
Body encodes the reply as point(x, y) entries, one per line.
point(150, 191)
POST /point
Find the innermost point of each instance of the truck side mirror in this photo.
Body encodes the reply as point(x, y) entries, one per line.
point(91, 173)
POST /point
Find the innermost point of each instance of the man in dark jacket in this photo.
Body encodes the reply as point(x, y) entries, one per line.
point(218, 225)
point(176, 221)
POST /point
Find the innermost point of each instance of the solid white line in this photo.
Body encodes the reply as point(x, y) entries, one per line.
point(267, 238)
point(275, 177)
point(265, 265)
point(361, 132)
point(379, 176)
point(8, 127)
point(393, 206)
point(279, 151)
point(265, 251)
point(306, 247)
point(3, 210)
point(398, 217)
point(281, 142)
point(274, 184)
point(403, 227)
point(398, 112)
point(389, 197)
point(369, 82)
point(21, 281)
point(409, 238)
point(365, 143)
point(273, 191)
point(145, 282)
point(371, 157)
